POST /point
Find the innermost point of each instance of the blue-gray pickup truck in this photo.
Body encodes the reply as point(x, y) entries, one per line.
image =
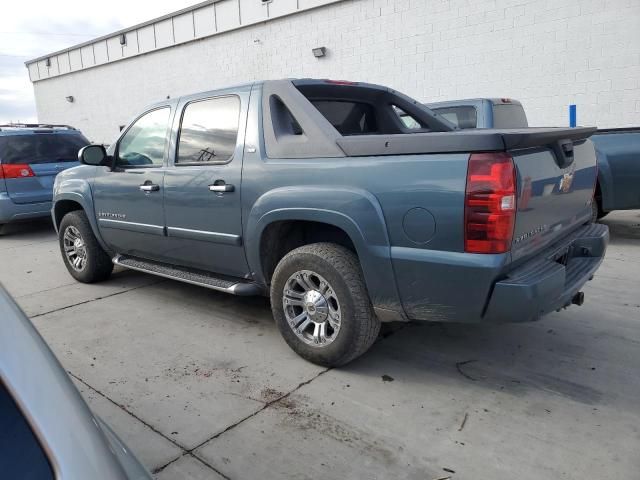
point(317, 193)
point(617, 149)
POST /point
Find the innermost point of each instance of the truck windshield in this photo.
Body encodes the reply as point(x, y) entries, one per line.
point(40, 148)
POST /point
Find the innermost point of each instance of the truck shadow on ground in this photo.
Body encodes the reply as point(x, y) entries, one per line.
point(624, 227)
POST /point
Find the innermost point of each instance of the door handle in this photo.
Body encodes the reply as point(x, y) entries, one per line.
point(221, 187)
point(149, 187)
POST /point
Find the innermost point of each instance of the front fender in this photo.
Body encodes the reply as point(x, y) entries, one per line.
point(77, 190)
point(355, 211)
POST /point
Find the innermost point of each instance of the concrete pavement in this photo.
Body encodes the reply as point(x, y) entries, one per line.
point(201, 386)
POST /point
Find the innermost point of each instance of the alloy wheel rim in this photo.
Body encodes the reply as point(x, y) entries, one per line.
point(75, 249)
point(312, 308)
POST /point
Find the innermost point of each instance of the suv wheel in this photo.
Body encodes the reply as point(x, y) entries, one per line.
point(83, 256)
point(321, 306)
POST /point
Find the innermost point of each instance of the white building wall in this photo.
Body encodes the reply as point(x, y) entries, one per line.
point(546, 53)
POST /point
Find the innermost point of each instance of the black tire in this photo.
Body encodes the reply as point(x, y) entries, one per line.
point(359, 326)
point(595, 211)
point(98, 265)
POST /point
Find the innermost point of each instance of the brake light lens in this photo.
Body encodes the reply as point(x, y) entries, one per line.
point(16, 171)
point(490, 203)
point(341, 82)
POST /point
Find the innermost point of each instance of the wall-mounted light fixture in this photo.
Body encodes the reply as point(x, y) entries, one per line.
point(70, 99)
point(123, 39)
point(319, 52)
point(47, 62)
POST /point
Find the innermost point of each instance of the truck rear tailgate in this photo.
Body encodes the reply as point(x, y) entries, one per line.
point(555, 183)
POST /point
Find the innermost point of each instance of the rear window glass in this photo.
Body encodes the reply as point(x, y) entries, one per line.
point(349, 118)
point(462, 117)
point(407, 120)
point(21, 455)
point(40, 148)
point(209, 130)
point(509, 116)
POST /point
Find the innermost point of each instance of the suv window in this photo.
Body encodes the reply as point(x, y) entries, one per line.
point(41, 148)
point(143, 144)
point(209, 131)
point(21, 455)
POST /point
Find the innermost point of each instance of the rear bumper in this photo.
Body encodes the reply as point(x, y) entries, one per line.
point(11, 212)
point(547, 284)
point(474, 288)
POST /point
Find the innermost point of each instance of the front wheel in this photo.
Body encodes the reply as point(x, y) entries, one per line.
point(321, 306)
point(83, 256)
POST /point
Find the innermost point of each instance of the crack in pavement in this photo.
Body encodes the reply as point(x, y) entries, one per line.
point(185, 450)
point(97, 298)
point(234, 425)
point(261, 409)
point(12, 247)
point(115, 277)
point(190, 451)
point(45, 290)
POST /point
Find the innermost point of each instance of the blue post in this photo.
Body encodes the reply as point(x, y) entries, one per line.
point(573, 116)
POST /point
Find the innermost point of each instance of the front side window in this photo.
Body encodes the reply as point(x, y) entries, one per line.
point(209, 131)
point(144, 143)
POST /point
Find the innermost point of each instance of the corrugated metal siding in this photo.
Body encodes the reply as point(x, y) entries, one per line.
point(202, 20)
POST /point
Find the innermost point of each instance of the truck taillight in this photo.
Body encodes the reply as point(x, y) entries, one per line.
point(16, 171)
point(490, 203)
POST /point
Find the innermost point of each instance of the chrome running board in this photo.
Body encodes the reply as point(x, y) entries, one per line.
point(194, 277)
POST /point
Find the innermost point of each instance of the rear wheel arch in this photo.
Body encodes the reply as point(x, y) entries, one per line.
point(280, 237)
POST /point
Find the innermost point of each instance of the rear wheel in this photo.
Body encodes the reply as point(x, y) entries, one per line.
point(321, 306)
point(83, 256)
point(596, 210)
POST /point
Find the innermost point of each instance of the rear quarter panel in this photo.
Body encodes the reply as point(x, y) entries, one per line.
point(410, 204)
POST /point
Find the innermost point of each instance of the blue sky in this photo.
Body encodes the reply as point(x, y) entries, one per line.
point(29, 29)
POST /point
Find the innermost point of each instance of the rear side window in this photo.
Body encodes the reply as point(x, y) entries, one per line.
point(348, 118)
point(21, 455)
point(41, 148)
point(462, 117)
point(209, 131)
point(509, 116)
point(407, 120)
point(143, 144)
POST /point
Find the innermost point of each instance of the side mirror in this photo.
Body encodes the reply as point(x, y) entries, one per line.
point(92, 155)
